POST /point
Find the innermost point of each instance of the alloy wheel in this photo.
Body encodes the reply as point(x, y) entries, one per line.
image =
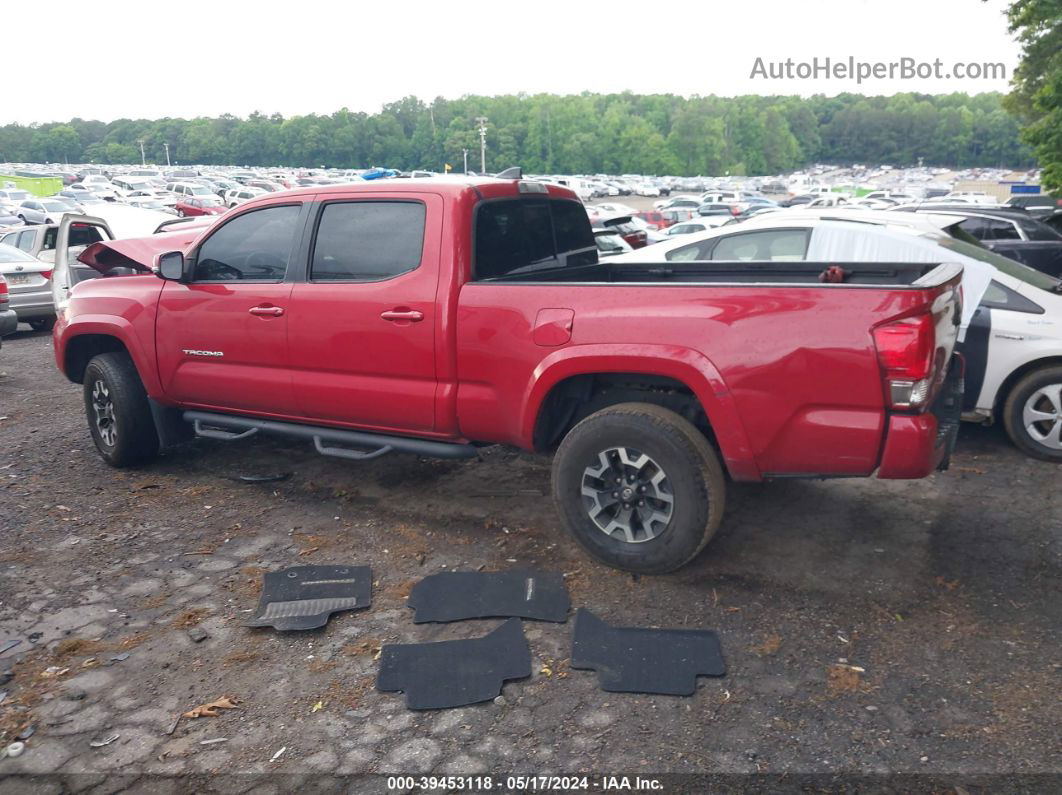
point(1042, 416)
point(627, 495)
point(103, 408)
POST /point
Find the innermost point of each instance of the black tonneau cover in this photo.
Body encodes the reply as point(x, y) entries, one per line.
point(891, 274)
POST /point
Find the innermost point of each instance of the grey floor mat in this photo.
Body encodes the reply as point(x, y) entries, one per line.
point(304, 597)
point(453, 673)
point(520, 593)
point(635, 660)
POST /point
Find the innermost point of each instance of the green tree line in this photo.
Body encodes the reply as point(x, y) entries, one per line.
point(575, 134)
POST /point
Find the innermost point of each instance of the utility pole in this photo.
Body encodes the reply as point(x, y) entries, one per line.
point(465, 151)
point(166, 144)
point(143, 161)
point(482, 144)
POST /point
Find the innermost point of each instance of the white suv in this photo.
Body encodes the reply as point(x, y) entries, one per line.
point(240, 195)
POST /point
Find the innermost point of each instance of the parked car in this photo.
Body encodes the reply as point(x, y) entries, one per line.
point(29, 287)
point(635, 236)
point(200, 205)
point(716, 213)
point(184, 190)
point(45, 211)
point(238, 196)
point(8, 318)
point(1011, 232)
point(265, 185)
point(1039, 205)
point(688, 228)
point(678, 203)
point(150, 203)
point(644, 384)
point(610, 243)
point(14, 196)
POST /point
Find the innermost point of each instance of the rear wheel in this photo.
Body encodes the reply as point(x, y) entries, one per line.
point(42, 323)
point(1033, 414)
point(117, 410)
point(639, 487)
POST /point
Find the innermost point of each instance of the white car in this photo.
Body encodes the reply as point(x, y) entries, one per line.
point(678, 203)
point(687, 228)
point(238, 196)
point(1011, 328)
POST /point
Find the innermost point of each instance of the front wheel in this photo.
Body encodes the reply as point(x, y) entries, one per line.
point(639, 487)
point(116, 406)
point(1032, 414)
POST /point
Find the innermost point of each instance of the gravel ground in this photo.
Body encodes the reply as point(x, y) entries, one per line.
point(870, 627)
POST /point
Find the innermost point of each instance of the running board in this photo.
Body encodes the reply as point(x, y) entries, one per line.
point(229, 427)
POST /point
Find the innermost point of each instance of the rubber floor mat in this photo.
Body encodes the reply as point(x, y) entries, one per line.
point(453, 673)
point(304, 597)
point(520, 593)
point(634, 660)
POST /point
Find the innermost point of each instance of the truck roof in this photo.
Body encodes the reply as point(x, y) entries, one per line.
point(449, 185)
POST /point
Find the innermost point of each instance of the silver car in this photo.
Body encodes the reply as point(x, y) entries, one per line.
point(45, 211)
point(29, 287)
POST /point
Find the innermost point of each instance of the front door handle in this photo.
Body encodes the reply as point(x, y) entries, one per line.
point(407, 315)
point(270, 311)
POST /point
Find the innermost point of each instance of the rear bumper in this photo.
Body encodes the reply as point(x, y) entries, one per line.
point(916, 445)
point(29, 306)
point(8, 322)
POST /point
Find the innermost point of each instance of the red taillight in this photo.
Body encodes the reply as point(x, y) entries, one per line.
point(906, 350)
point(734, 210)
point(3, 292)
point(46, 274)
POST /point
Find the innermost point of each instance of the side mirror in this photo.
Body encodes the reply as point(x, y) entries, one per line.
point(171, 266)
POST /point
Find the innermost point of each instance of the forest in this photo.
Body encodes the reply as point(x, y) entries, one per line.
point(584, 133)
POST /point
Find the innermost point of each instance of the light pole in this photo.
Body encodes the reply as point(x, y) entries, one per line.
point(143, 161)
point(165, 144)
point(465, 151)
point(482, 144)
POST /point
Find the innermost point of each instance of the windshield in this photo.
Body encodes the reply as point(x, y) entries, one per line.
point(17, 195)
point(1008, 266)
point(199, 190)
point(57, 207)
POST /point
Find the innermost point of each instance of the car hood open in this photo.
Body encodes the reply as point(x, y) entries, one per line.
point(136, 253)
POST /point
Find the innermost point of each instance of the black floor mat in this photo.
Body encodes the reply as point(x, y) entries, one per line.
point(453, 673)
point(520, 593)
point(303, 597)
point(634, 660)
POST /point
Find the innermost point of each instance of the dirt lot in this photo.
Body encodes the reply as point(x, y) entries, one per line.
point(869, 627)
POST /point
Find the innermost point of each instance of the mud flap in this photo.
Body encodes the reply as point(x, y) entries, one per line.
point(453, 673)
point(653, 661)
point(521, 593)
point(304, 597)
point(947, 408)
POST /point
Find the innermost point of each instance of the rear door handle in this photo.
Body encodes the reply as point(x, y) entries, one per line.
point(408, 315)
point(271, 311)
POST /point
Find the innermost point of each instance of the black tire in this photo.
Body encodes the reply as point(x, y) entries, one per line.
point(127, 436)
point(693, 476)
point(1014, 410)
point(42, 323)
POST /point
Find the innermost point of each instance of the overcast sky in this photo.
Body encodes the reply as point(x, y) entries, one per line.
point(141, 59)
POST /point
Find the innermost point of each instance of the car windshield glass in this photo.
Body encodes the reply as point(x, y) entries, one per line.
point(1008, 266)
point(199, 190)
point(56, 207)
point(17, 195)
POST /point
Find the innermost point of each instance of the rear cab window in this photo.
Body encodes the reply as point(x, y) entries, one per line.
point(518, 236)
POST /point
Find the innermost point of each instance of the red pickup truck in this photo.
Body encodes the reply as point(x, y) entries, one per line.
point(432, 317)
